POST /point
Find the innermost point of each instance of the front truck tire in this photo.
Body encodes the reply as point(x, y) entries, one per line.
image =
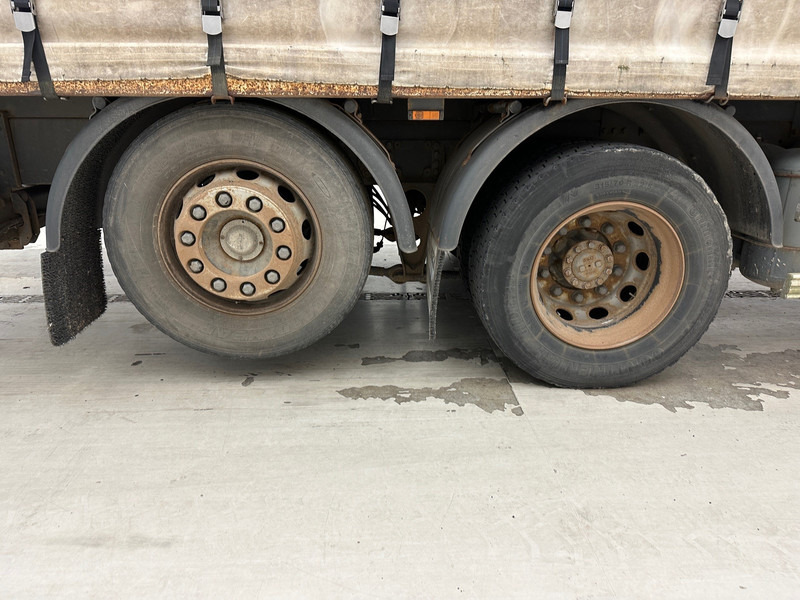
point(238, 230)
point(601, 265)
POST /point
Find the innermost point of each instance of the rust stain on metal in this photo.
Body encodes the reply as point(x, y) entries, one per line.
point(201, 86)
point(120, 87)
point(18, 88)
point(136, 87)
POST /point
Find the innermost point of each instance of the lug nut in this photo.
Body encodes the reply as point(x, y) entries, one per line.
point(556, 291)
point(586, 222)
point(544, 273)
point(277, 225)
point(224, 199)
point(195, 266)
point(248, 289)
point(608, 271)
point(570, 259)
point(608, 229)
point(254, 204)
point(592, 245)
point(575, 282)
point(563, 231)
point(198, 213)
point(578, 297)
point(219, 285)
point(272, 277)
point(187, 238)
point(618, 271)
point(284, 252)
point(568, 272)
point(548, 251)
point(619, 247)
point(602, 290)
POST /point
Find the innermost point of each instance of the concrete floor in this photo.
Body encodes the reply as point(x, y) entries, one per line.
point(377, 464)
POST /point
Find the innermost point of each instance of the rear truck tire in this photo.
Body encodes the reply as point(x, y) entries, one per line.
point(238, 230)
point(600, 265)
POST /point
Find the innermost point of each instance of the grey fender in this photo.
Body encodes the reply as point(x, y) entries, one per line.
point(745, 185)
point(106, 129)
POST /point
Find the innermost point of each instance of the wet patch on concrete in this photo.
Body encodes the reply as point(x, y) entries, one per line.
point(489, 395)
point(485, 355)
point(351, 346)
point(141, 327)
point(714, 376)
point(249, 378)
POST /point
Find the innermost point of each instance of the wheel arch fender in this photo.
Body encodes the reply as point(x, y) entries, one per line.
point(747, 190)
point(115, 127)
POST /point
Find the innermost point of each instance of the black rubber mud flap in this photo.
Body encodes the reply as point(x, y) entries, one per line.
point(72, 277)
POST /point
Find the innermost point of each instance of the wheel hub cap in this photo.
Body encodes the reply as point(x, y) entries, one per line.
point(587, 264)
point(241, 239)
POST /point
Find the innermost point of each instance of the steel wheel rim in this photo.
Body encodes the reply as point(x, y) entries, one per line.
point(608, 275)
point(238, 237)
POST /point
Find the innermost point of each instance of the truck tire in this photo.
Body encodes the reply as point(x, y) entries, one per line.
point(600, 265)
point(238, 230)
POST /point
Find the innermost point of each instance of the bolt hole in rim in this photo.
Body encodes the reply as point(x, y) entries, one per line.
point(607, 275)
point(252, 232)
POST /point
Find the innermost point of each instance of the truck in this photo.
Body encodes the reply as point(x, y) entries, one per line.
point(598, 168)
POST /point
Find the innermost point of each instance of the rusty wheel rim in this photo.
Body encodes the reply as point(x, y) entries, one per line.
point(238, 237)
point(607, 275)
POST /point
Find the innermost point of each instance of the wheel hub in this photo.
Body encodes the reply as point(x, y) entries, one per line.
point(587, 264)
point(242, 234)
point(616, 267)
point(241, 239)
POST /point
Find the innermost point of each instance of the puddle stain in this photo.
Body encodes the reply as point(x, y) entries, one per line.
point(141, 327)
point(249, 378)
point(489, 395)
point(715, 376)
point(351, 346)
point(486, 355)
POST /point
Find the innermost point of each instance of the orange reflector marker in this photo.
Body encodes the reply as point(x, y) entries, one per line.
point(426, 115)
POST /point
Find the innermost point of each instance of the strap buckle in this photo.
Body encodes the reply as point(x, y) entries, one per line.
point(728, 21)
point(564, 13)
point(212, 20)
point(24, 15)
point(390, 21)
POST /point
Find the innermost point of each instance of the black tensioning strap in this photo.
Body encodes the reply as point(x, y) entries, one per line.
point(390, 24)
point(212, 26)
point(33, 49)
point(720, 67)
point(561, 50)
